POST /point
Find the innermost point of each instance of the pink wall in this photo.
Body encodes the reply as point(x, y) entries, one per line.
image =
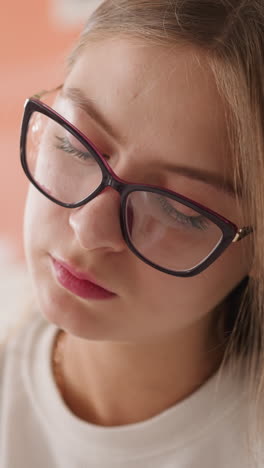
point(32, 52)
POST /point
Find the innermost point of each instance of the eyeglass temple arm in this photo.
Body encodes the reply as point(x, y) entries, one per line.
point(241, 233)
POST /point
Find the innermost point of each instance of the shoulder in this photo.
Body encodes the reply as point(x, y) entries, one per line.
point(18, 355)
point(14, 342)
point(20, 371)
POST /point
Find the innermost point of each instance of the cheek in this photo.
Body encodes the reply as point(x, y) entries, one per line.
point(44, 224)
point(183, 301)
point(218, 280)
point(235, 262)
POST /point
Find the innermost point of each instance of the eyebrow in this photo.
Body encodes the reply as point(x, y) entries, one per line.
point(87, 104)
point(217, 181)
point(202, 175)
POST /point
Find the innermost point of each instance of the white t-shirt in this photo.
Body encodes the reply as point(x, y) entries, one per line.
point(37, 430)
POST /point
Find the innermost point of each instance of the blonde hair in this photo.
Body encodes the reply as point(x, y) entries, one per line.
point(231, 35)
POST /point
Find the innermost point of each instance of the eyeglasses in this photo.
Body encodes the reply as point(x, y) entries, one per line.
point(166, 230)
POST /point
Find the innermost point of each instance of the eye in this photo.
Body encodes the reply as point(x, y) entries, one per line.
point(196, 221)
point(64, 144)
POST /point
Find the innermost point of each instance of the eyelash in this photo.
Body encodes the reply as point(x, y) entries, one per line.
point(68, 148)
point(198, 222)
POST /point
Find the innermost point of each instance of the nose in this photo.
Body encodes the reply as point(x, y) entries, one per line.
point(96, 225)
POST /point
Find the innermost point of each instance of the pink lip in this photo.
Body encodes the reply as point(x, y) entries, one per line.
point(79, 283)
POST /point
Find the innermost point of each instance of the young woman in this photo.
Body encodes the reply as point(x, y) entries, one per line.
point(144, 240)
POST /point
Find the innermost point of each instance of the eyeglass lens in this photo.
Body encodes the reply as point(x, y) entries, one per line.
point(164, 231)
point(59, 162)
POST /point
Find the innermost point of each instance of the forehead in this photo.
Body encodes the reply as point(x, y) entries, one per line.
point(158, 98)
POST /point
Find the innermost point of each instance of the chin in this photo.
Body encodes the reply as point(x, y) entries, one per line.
point(73, 314)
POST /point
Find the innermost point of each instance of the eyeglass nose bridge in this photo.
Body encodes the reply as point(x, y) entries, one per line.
point(112, 180)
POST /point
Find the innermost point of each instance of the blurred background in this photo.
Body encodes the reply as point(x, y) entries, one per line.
point(35, 38)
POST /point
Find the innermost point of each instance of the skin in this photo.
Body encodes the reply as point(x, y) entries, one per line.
point(156, 342)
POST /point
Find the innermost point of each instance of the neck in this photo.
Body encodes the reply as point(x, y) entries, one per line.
point(112, 384)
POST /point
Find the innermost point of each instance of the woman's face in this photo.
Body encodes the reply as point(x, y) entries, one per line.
point(161, 111)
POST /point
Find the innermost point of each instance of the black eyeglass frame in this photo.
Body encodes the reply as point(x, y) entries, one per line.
point(231, 233)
